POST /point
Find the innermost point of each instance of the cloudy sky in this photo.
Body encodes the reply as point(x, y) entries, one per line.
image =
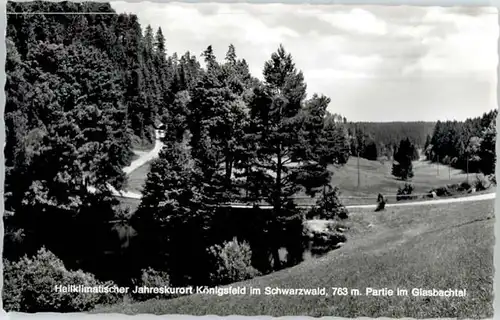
point(376, 63)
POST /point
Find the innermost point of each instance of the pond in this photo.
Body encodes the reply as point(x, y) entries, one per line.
point(320, 238)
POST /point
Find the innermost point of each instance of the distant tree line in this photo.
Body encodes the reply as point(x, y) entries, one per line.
point(466, 145)
point(374, 140)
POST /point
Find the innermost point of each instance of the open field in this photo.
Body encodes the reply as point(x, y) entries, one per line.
point(376, 177)
point(441, 247)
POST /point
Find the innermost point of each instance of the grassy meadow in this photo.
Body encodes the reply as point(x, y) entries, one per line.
point(376, 177)
point(439, 247)
point(137, 178)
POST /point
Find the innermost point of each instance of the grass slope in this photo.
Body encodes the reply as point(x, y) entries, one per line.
point(137, 178)
point(441, 247)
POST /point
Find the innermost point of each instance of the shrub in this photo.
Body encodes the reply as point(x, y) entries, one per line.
point(441, 191)
point(481, 184)
point(152, 278)
point(324, 240)
point(29, 286)
point(493, 178)
point(14, 241)
point(404, 193)
point(464, 186)
point(328, 206)
point(232, 262)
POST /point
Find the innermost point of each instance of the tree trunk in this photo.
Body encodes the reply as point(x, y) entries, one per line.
point(467, 168)
point(277, 208)
point(229, 169)
point(276, 259)
point(359, 177)
point(247, 182)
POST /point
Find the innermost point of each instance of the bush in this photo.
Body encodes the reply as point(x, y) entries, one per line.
point(464, 186)
point(152, 278)
point(232, 262)
point(404, 193)
point(493, 178)
point(455, 187)
point(29, 286)
point(441, 191)
point(481, 184)
point(328, 206)
point(322, 241)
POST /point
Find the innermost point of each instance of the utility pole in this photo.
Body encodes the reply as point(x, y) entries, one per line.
point(438, 164)
point(359, 177)
point(467, 155)
point(467, 168)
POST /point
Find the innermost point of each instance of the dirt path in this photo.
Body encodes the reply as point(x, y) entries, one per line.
point(479, 197)
point(486, 196)
point(144, 157)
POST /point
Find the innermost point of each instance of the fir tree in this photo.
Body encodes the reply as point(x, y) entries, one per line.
point(403, 166)
point(276, 127)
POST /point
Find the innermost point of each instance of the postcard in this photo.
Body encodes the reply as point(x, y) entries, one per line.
point(250, 159)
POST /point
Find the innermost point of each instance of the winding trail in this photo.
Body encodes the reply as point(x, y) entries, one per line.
point(478, 197)
point(144, 157)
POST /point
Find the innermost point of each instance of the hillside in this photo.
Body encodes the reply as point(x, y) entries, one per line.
point(376, 177)
point(446, 246)
point(390, 133)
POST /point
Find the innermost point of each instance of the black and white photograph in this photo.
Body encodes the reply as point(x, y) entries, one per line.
point(250, 159)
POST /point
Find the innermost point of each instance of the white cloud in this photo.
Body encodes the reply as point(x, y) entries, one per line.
point(416, 31)
point(355, 20)
point(258, 34)
point(380, 56)
point(357, 62)
point(471, 49)
point(230, 21)
point(338, 74)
